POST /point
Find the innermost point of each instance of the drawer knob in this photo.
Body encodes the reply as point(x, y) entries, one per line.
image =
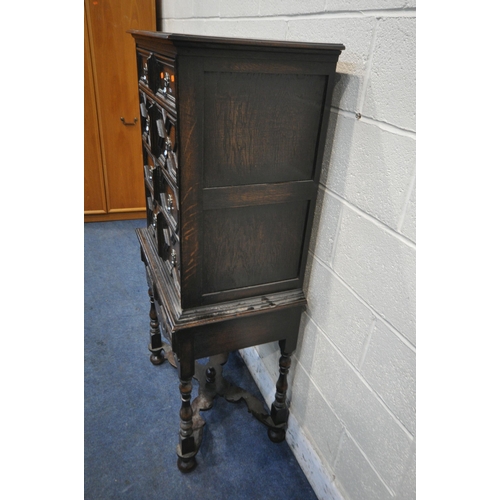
point(168, 146)
point(166, 82)
point(170, 203)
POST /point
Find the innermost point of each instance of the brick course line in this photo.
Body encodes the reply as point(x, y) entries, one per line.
point(366, 78)
point(367, 343)
point(361, 378)
point(370, 218)
point(388, 127)
point(380, 13)
point(363, 301)
point(407, 200)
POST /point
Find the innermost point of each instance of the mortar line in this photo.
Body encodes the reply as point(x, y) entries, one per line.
point(342, 423)
point(331, 257)
point(345, 431)
point(358, 446)
point(366, 346)
point(370, 218)
point(363, 381)
point(337, 455)
point(400, 336)
point(407, 200)
point(388, 127)
point(346, 434)
point(313, 382)
point(340, 14)
point(369, 65)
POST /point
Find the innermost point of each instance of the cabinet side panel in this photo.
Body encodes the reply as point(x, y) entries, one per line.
point(251, 143)
point(252, 245)
point(260, 127)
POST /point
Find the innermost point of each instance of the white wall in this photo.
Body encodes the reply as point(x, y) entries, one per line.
point(352, 391)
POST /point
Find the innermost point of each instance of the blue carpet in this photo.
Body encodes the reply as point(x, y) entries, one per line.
point(132, 407)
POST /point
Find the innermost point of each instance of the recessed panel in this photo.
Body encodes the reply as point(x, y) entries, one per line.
point(252, 245)
point(260, 127)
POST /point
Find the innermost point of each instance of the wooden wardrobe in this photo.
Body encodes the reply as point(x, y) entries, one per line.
point(114, 186)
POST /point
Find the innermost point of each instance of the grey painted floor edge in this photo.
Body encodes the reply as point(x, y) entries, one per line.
point(132, 407)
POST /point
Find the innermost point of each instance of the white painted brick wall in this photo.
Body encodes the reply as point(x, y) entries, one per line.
point(390, 94)
point(352, 381)
point(379, 267)
point(347, 325)
point(388, 368)
point(371, 167)
point(357, 34)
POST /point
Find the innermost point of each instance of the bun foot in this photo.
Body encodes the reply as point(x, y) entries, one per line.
point(186, 464)
point(157, 358)
point(276, 435)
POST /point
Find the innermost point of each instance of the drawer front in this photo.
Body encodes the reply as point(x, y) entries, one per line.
point(149, 169)
point(166, 140)
point(172, 263)
point(169, 201)
point(146, 107)
point(169, 153)
point(169, 250)
point(151, 213)
point(165, 78)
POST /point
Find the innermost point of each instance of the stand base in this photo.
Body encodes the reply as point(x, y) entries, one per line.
point(211, 385)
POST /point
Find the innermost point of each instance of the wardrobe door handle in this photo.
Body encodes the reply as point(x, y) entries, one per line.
point(128, 123)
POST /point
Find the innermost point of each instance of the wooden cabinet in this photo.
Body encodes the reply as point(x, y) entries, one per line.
point(233, 134)
point(114, 188)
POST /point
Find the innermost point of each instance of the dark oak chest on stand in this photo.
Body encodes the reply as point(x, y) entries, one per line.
point(233, 133)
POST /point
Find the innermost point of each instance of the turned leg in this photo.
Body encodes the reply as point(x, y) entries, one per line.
point(156, 346)
point(279, 409)
point(188, 439)
point(186, 449)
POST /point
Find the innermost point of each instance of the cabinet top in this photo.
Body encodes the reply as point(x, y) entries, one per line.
point(226, 42)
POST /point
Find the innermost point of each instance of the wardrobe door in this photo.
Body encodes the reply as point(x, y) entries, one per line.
point(95, 196)
point(114, 67)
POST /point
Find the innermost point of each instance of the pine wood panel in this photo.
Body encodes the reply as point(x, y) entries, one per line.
point(95, 196)
point(114, 64)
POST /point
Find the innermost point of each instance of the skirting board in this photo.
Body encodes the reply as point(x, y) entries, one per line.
point(309, 461)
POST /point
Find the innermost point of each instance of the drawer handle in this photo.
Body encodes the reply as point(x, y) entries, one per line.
point(128, 123)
